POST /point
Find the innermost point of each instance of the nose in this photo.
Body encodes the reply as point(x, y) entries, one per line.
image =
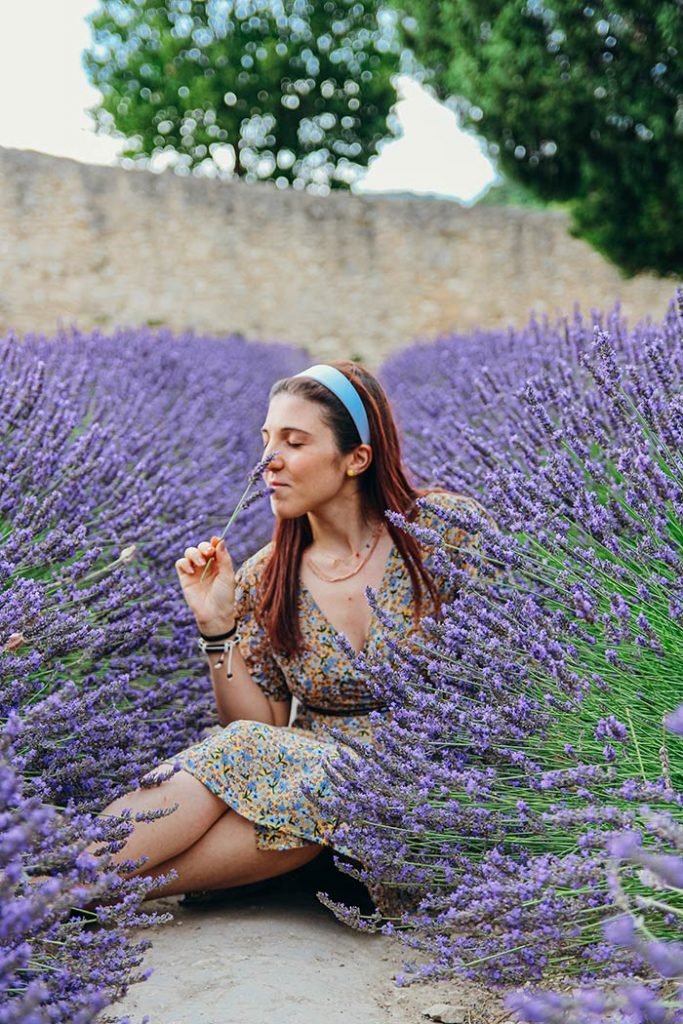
point(276, 461)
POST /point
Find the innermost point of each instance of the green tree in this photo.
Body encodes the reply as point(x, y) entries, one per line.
point(580, 102)
point(298, 90)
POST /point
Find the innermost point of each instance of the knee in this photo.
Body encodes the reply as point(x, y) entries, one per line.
point(242, 728)
point(157, 776)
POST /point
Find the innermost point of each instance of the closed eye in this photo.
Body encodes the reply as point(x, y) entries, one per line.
point(290, 444)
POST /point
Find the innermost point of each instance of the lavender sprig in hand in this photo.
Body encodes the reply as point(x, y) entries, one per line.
point(248, 498)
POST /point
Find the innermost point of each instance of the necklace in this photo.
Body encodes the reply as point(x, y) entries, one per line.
point(371, 545)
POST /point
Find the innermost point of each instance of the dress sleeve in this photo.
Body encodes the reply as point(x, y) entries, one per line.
point(460, 544)
point(255, 646)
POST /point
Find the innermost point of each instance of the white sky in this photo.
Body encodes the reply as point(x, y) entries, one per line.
point(46, 95)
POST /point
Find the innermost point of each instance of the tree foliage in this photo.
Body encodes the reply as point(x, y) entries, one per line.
point(298, 90)
point(580, 103)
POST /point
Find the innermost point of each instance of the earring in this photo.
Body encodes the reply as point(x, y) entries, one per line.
point(350, 472)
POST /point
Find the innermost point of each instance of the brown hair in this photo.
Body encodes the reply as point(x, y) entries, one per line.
point(383, 486)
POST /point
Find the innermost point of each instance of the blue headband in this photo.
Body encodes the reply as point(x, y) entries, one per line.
point(335, 381)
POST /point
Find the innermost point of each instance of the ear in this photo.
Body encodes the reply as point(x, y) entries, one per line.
point(358, 460)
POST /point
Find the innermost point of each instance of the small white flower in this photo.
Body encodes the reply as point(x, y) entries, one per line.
point(15, 641)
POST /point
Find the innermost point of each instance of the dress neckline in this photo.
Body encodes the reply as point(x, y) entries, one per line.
point(332, 628)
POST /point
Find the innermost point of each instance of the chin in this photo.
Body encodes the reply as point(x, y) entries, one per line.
point(279, 512)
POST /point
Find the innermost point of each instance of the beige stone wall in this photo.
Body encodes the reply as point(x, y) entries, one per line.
point(341, 275)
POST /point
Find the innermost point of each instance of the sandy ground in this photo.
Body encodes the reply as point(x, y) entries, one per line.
point(277, 955)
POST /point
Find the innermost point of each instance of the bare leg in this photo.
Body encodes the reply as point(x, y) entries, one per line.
point(226, 856)
point(164, 838)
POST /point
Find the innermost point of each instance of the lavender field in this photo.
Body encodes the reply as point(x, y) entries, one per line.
point(525, 795)
point(116, 451)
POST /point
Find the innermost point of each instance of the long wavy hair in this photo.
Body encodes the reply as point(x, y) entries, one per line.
point(383, 486)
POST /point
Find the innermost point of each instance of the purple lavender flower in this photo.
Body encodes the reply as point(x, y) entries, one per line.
point(674, 721)
point(528, 728)
point(110, 465)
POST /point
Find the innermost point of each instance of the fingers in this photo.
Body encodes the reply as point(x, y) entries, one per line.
point(183, 567)
point(221, 553)
point(197, 557)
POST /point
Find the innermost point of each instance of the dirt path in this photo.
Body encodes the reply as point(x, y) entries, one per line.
point(278, 956)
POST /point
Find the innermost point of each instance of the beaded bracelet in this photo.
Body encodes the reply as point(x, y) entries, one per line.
point(224, 642)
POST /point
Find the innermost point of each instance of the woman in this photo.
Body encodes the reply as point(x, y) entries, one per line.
point(272, 632)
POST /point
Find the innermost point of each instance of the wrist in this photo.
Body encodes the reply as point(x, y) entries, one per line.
point(215, 627)
point(223, 644)
point(218, 638)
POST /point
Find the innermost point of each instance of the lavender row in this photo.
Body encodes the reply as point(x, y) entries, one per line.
point(117, 453)
point(531, 727)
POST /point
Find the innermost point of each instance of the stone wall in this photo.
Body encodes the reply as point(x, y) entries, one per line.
point(341, 275)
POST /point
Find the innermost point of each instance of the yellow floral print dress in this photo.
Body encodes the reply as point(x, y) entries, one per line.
point(267, 773)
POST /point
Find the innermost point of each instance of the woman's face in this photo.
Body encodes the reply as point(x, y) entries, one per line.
point(308, 471)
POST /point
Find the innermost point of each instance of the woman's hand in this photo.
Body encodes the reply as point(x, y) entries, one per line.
point(210, 594)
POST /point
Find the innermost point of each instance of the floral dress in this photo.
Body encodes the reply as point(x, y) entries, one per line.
point(267, 773)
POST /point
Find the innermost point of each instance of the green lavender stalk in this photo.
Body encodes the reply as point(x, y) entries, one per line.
point(247, 498)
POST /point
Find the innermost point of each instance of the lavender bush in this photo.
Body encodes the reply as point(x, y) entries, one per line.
point(628, 1001)
point(531, 725)
point(472, 384)
point(117, 452)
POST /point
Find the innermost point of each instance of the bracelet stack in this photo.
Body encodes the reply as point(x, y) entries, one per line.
point(224, 642)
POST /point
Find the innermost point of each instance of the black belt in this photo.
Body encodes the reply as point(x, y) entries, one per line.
point(365, 709)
